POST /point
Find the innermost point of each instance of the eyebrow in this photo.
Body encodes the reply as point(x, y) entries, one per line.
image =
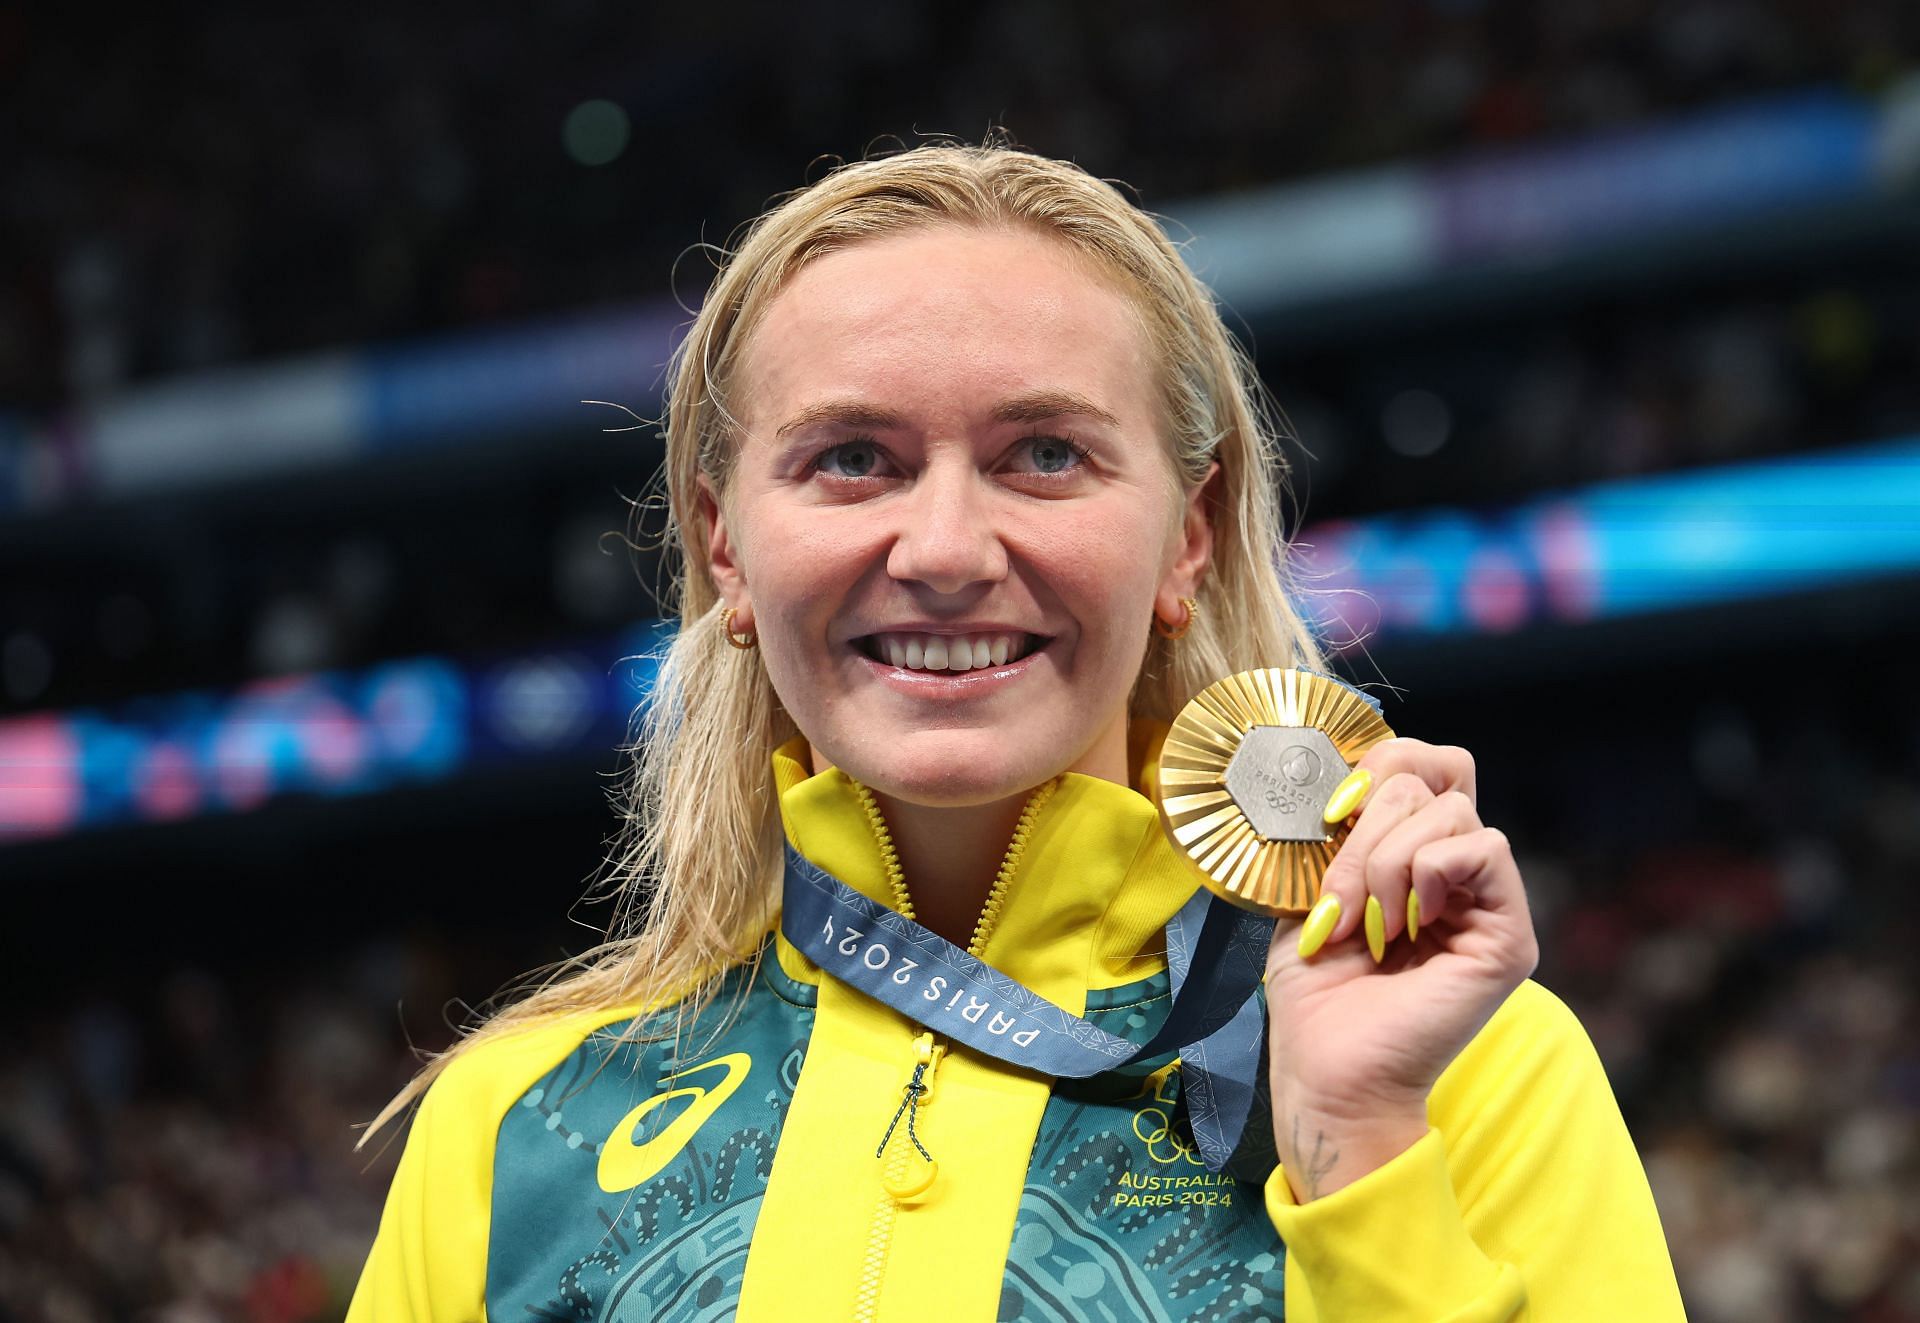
point(1032, 407)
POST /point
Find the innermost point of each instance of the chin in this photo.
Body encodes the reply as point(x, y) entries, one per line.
point(968, 769)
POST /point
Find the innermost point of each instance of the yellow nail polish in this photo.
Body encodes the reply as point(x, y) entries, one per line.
point(1348, 793)
point(1320, 920)
point(1413, 915)
point(1376, 922)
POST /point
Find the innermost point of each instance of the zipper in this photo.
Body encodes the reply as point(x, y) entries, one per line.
point(927, 1051)
point(897, 1180)
point(899, 1149)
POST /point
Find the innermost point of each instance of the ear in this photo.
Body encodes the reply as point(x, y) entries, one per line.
point(723, 559)
point(1194, 550)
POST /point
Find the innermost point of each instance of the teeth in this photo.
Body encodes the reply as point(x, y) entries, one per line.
point(947, 652)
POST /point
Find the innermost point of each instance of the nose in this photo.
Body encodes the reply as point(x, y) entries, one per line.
point(947, 538)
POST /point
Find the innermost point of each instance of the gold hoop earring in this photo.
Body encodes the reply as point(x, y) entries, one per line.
point(1193, 609)
point(726, 626)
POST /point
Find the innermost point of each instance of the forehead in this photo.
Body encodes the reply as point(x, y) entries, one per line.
point(943, 321)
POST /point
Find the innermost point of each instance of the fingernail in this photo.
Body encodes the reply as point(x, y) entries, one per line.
point(1320, 920)
point(1413, 915)
point(1348, 793)
point(1376, 929)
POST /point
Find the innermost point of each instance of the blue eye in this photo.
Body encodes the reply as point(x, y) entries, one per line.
point(849, 459)
point(1053, 455)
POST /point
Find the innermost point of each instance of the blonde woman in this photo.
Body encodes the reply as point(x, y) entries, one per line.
point(973, 493)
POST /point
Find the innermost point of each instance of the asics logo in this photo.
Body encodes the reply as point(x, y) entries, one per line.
point(625, 1164)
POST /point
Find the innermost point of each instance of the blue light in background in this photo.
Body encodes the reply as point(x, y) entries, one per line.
point(1621, 548)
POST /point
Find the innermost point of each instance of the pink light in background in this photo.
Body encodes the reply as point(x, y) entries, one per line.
point(1496, 596)
point(166, 784)
point(1569, 563)
point(40, 790)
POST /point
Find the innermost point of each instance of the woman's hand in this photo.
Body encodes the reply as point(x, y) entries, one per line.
point(1358, 1039)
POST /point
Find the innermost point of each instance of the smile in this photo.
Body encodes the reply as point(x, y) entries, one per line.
point(948, 652)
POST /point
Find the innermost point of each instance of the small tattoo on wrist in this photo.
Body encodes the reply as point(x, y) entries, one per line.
point(1316, 1168)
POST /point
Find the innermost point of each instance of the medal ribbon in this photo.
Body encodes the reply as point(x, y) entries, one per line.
point(1216, 955)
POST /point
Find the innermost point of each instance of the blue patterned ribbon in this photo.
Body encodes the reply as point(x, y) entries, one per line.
point(1216, 955)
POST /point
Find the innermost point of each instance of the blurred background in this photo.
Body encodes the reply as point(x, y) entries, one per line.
point(1598, 324)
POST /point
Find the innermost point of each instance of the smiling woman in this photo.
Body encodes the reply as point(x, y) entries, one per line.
point(973, 493)
point(992, 468)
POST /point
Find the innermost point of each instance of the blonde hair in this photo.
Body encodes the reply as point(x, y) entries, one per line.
point(697, 867)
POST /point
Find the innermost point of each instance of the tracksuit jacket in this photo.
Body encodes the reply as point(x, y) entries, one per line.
point(564, 1173)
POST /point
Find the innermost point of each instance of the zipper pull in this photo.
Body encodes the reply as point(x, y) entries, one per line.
point(926, 1057)
point(928, 1049)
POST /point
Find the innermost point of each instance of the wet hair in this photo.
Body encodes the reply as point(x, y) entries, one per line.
point(696, 872)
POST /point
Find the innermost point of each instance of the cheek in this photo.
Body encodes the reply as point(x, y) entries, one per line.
point(800, 567)
point(780, 549)
point(1105, 572)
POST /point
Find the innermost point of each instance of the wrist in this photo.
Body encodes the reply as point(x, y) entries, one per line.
point(1326, 1148)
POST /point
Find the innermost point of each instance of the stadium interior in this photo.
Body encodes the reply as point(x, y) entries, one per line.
point(325, 598)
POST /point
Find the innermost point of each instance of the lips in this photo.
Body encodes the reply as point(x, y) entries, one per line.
point(916, 651)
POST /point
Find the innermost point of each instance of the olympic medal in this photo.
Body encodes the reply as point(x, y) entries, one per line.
point(1245, 775)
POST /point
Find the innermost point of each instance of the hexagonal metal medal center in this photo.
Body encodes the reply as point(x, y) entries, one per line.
point(1282, 777)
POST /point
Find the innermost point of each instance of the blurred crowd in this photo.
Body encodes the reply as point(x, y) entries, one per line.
point(263, 181)
point(1752, 993)
point(184, 1153)
point(1465, 415)
point(248, 182)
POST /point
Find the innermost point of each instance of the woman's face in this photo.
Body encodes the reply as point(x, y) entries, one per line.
point(951, 517)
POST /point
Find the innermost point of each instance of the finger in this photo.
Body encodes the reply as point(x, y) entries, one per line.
point(1387, 805)
point(1442, 767)
point(1390, 874)
point(1496, 928)
point(1479, 863)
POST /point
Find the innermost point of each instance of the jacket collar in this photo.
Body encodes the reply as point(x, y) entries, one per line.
point(1091, 895)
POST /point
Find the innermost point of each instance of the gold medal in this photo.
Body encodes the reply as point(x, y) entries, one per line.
point(1245, 775)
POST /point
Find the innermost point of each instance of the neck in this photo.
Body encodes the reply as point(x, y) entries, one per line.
point(951, 856)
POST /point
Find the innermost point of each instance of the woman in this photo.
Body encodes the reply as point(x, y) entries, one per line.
point(974, 494)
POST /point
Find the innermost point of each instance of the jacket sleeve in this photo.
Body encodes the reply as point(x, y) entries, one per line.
point(429, 1259)
point(1524, 1200)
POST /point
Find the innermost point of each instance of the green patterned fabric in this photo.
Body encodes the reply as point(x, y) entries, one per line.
point(1118, 1219)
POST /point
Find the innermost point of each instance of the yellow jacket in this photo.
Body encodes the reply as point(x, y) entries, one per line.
point(561, 1173)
